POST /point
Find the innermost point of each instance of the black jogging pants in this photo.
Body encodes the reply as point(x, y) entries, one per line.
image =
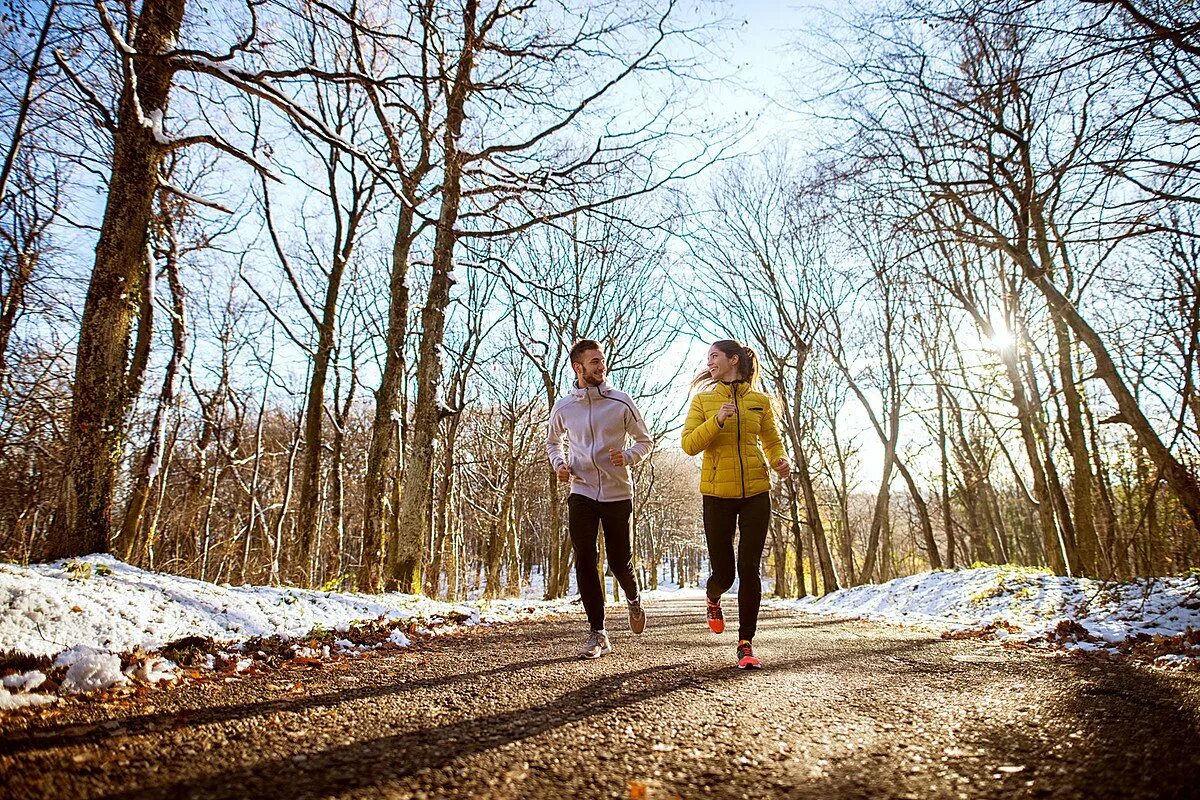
point(584, 517)
point(749, 516)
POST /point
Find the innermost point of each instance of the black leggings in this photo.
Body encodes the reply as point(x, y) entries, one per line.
point(752, 516)
point(584, 517)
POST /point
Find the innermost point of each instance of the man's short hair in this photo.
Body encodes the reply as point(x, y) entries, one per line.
point(581, 347)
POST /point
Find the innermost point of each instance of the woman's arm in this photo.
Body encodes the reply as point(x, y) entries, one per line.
point(768, 432)
point(698, 431)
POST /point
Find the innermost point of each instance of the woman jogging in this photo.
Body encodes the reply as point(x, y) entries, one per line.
point(727, 421)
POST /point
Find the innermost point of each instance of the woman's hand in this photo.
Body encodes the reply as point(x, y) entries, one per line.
point(782, 467)
point(725, 412)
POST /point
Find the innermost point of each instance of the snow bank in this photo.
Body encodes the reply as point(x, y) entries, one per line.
point(1031, 606)
point(113, 607)
point(84, 613)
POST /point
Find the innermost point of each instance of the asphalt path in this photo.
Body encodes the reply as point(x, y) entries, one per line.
point(842, 709)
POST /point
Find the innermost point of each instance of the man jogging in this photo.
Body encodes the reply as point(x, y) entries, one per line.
point(597, 421)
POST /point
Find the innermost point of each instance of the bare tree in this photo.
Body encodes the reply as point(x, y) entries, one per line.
point(528, 173)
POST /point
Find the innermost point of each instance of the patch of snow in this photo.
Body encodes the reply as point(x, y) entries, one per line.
point(91, 670)
point(24, 682)
point(153, 669)
point(1024, 605)
point(114, 607)
point(9, 702)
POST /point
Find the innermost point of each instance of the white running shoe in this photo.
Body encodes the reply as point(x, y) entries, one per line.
point(597, 645)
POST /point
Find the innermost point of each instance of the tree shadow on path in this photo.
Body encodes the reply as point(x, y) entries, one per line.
point(92, 733)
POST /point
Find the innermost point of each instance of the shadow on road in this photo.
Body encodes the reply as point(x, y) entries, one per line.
point(76, 734)
point(373, 762)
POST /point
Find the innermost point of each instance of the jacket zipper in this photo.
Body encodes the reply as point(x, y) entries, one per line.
point(592, 449)
point(741, 464)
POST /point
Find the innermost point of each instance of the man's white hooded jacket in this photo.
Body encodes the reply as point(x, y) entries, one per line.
point(594, 419)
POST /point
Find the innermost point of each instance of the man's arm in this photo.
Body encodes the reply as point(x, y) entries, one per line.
point(643, 442)
point(554, 436)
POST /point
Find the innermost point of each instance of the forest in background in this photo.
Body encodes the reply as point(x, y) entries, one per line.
point(287, 286)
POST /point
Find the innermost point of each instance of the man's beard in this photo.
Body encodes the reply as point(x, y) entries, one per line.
point(592, 380)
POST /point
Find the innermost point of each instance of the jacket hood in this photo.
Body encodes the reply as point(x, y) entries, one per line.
point(581, 392)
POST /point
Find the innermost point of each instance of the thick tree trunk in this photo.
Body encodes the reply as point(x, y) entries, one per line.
point(388, 423)
point(82, 522)
point(308, 511)
point(413, 519)
point(134, 540)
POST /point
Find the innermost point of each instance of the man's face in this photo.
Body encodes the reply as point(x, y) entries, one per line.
point(591, 369)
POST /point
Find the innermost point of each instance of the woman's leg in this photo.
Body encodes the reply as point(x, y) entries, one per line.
point(754, 520)
point(720, 522)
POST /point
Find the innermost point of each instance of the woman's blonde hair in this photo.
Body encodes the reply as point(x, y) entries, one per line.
point(747, 364)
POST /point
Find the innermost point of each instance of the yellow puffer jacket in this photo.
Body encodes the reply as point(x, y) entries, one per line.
point(734, 464)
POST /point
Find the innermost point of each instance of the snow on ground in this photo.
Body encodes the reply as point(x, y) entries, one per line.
point(97, 623)
point(86, 612)
point(1156, 619)
point(104, 603)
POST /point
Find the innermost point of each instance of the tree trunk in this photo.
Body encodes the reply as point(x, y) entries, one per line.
point(133, 540)
point(798, 533)
point(284, 508)
point(389, 409)
point(100, 399)
point(1181, 481)
point(308, 508)
point(405, 560)
point(947, 519)
point(779, 550)
point(879, 515)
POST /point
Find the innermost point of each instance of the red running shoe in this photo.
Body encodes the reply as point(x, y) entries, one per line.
point(716, 620)
point(745, 654)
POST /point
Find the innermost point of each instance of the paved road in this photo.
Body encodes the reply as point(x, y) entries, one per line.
point(844, 709)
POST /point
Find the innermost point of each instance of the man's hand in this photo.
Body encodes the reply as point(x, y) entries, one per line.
point(725, 412)
point(564, 474)
point(617, 456)
point(782, 467)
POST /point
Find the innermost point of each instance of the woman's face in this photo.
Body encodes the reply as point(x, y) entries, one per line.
point(720, 366)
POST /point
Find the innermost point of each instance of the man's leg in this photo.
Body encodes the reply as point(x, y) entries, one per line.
point(754, 520)
point(720, 522)
point(618, 544)
point(583, 521)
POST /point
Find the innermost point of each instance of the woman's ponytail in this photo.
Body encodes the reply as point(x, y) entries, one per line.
point(749, 369)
